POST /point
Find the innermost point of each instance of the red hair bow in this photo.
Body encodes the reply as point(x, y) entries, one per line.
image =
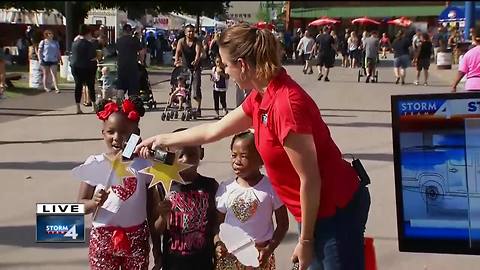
point(129, 109)
point(110, 108)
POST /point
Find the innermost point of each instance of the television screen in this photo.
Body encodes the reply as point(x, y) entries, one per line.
point(436, 141)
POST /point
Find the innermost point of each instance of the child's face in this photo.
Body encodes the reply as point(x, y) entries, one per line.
point(104, 71)
point(245, 158)
point(116, 132)
point(190, 155)
point(181, 83)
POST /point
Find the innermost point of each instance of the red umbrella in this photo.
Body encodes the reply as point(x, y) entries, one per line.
point(402, 21)
point(263, 25)
point(323, 21)
point(365, 20)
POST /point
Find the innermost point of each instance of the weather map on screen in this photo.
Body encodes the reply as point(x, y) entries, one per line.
point(437, 172)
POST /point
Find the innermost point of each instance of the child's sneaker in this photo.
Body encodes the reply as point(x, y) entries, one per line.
point(225, 112)
point(415, 82)
point(425, 84)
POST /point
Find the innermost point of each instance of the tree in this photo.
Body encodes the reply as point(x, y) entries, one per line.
point(78, 10)
point(135, 9)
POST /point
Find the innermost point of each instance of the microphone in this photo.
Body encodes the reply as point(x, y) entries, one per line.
point(165, 157)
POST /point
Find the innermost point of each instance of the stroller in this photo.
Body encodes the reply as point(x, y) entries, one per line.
point(146, 93)
point(172, 110)
point(362, 71)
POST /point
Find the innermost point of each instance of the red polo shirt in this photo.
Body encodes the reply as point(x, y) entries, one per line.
point(285, 107)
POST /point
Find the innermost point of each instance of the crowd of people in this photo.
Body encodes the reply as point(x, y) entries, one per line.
point(409, 48)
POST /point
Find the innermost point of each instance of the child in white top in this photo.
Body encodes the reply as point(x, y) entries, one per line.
point(120, 234)
point(249, 202)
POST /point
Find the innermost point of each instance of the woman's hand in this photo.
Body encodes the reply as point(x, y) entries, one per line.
point(143, 149)
point(303, 254)
point(454, 88)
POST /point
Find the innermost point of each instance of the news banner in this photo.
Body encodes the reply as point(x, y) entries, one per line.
point(60, 222)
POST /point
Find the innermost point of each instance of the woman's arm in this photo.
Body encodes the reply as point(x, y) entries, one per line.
point(234, 122)
point(457, 80)
point(301, 151)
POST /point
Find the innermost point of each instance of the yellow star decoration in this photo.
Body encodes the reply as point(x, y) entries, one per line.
point(119, 167)
point(165, 174)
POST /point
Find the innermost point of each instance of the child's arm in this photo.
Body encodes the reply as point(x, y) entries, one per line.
point(164, 208)
point(153, 199)
point(281, 218)
point(175, 92)
point(89, 199)
point(220, 249)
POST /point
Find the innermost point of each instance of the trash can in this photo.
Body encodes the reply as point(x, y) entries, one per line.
point(444, 59)
point(36, 75)
point(64, 67)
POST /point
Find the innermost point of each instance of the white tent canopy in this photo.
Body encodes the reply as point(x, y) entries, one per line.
point(43, 17)
point(209, 22)
point(179, 20)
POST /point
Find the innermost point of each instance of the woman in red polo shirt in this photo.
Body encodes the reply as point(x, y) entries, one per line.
point(306, 168)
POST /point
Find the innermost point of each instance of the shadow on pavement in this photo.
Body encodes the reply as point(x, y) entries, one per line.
point(31, 265)
point(21, 109)
point(42, 115)
point(24, 236)
point(39, 165)
point(51, 141)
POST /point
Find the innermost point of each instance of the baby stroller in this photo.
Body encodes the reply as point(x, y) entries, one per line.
point(146, 93)
point(362, 72)
point(172, 110)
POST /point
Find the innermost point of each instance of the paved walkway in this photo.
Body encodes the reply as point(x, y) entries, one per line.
point(41, 140)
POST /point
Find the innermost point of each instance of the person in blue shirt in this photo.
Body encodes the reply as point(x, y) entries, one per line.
point(49, 57)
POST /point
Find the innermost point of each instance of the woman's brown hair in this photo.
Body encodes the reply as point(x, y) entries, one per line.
point(258, 47)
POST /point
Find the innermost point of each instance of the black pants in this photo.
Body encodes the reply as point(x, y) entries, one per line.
point(219, 96)
point(84, 76)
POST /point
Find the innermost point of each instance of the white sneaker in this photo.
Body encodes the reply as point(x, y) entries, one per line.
point(415, 82)
point(425, 84)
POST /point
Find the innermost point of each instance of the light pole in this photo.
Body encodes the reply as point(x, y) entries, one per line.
point(68, 25)
point(469, 18)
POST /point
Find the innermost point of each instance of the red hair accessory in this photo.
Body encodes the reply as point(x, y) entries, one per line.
point(109, 108)
point(129, 109)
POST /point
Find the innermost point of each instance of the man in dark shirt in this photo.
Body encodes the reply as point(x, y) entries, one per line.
point(128, 48)
point(189, 50)
point(325, 49)
point(401, 55)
